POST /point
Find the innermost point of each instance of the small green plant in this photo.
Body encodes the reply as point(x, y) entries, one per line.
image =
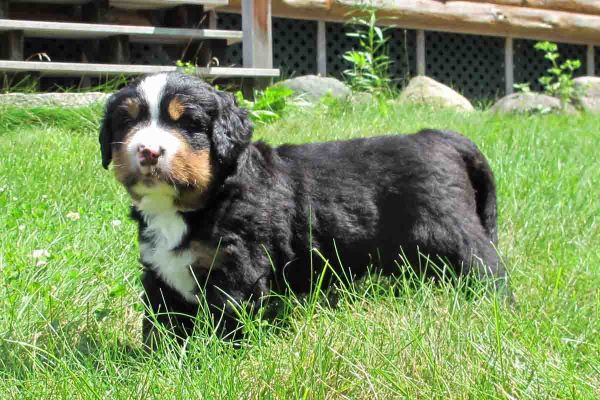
point(269, 105)
point(558, 81)
point(371, 62)
point(186, 67)
point(522, 87)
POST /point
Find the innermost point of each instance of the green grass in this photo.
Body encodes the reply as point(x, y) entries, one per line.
point(70, 321)
point(31, 84)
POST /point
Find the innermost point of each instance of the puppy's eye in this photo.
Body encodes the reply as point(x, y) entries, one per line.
point(132, 107)
point(192, 125)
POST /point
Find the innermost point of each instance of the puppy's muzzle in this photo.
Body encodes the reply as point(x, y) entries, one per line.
point(147, 156)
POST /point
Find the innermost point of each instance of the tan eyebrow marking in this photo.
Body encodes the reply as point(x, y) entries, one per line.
point(176, 109)
point(133, 107)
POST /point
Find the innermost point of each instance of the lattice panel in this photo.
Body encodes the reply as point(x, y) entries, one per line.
point(337, 44)
point(403, 55)
point(57, 50)
point(295, 46)
point(233, 53)
point(72, 51)
point(473, 65)
point(148, 54)
point(530, 63)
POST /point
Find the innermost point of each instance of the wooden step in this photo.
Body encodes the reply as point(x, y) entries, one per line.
point(138, 4)
point(154, 4)
point(138, 34)
point(85, 69)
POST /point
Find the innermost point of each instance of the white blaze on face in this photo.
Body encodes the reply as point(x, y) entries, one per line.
point(152, 136)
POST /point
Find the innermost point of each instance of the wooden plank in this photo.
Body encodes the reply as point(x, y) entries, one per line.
point(191, 17)
point(95, 11)
point(185, 16)
point(119, 48)
point(421, 52)
point(577, 6)
point(57, 2)
point(213, 20)
point(453, 16)
point(4, 8)
point(136, 4)
point(509, 70)
point(137, 34)
point(156, 4)
point(85, 69)
point(11, 45)
point(591, 62)
point(257, 40)
point(321, 48)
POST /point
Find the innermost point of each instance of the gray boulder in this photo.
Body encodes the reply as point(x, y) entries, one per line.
point(424, 90)
point(313, 87)
point(530, 102)
point(589, 87)
point(52, 99)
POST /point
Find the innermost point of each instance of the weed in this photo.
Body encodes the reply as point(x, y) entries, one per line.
point(186, 67)
point(558, 81)
point(371, 62)
point(522, 87)
point(269, 105)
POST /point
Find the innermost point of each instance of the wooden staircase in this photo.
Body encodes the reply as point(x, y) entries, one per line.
point(185, 25)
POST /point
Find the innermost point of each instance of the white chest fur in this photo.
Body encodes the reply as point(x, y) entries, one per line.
point(165, 230)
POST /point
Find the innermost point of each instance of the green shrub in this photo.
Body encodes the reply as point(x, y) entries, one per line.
point(269, 105)
point(558, 81)
point(371, 62)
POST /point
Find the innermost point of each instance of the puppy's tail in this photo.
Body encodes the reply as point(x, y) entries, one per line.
point(482, 179)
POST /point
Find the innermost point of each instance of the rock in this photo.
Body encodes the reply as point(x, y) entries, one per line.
point(528, 103)
point(424, 90)
point(589, 87)
point(313, 87)
point(53, 99)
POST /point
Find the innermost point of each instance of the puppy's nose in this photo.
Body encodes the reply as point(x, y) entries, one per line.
point(148, 156)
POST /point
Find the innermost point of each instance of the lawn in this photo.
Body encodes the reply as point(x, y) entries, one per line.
point(70, 318)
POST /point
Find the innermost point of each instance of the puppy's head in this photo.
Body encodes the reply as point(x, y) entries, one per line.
point(171, 130)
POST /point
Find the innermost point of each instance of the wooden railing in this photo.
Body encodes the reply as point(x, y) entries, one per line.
point(183, 31)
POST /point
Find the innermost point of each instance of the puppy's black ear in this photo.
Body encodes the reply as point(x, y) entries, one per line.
point(106, 133)
point(232, 129)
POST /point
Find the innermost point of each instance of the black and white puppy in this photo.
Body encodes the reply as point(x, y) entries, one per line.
point(228, 221)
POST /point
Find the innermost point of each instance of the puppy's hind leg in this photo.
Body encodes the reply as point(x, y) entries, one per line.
point(465, 252)
point(484, 264)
